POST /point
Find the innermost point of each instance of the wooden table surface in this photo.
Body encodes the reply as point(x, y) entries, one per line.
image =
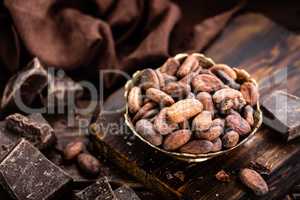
point(271, 54)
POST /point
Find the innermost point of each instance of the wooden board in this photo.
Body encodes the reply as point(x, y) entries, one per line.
point(270, 53)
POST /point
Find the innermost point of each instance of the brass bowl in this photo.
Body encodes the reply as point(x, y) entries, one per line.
point(187, 156)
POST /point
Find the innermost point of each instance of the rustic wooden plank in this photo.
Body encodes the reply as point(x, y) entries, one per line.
point(270, 53)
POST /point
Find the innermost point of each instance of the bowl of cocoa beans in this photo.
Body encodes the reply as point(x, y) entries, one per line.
point(192, 108)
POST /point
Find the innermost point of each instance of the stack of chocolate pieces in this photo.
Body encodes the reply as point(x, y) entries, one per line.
point(26, 173)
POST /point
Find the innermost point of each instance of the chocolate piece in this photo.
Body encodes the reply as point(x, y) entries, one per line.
point(126, 193)
point(101, 190)
point(282, 113)
point(34, 128)
point(27, 174)
point(27, 84)
point(7, 140)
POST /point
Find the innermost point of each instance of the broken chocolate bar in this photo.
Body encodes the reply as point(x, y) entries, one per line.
point(34, 128)
point(126, 193)
point(282, 113)
point(101, 190)
point(25, 86)
point(26, 174)
point(7, 140)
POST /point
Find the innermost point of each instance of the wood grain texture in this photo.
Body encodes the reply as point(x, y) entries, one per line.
point(270, 53)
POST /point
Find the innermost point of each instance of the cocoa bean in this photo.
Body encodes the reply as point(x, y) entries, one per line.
point(170, 67)
point(206, 99)
point(88, 164)
point(225, 78)
point(225, 69)
point(146, 129)
point(135, 99)
point(242, 75)
point(217, 145)
point(197, 147)
point(211, 134)
point(250, 93)
point(169, 78)
point(222, 176)
point(202, 121)
point(218, 122)
point(248, 114)
point(148, 79)
point(226, 93)
point(190, 63)
point(188, 78)
point(183, 110)
point(206, 83)
point(177, 89)
point(159, 97)
point(238, 124)
point(254, 181)
point(177, 139)
point(230, 139)
point(73, 149)
point(162, 125)
point(148, 106)
point(160, 79)
point(150, 113)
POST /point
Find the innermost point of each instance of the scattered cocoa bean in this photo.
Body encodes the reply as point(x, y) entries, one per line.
point(238, 124)
point(148, 79)
point(162, 125)
point(248, 114)
point(202, 121)
point(177, 139)
point(88, 164)
point(211, 134)
point(206, 99)
point(73, 149)
point(226, 93)
point(187, 66)
point(222, 176)
point(254, 181)
point(230, 139)
point(159, 97)
point(170, 67)
point(183, 110)
point(147, 131)
point(197, 147)
point(188, 78)
point(224, 68)
point(135, 99)
point(250, 93)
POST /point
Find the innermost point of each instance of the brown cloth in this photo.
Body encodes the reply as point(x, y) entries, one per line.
point(86, 35)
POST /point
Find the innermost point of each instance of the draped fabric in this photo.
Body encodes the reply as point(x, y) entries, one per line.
point(83, 36)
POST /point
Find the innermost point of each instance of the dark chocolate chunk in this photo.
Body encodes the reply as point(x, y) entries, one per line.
point(27, 174)
point(7, 140)
point(126, 193)
point(282, 113)
point(26, 85)
point(34, 128)
point(101, 190)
